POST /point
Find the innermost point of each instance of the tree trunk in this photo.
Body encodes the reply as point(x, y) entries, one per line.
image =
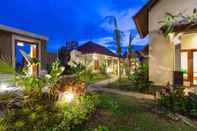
point(119, 72)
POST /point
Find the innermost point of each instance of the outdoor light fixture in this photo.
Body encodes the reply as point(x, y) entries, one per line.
point(5, 87)
point(20, 44)
point(68, 97)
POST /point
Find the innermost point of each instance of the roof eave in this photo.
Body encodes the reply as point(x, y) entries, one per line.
point(22, 32)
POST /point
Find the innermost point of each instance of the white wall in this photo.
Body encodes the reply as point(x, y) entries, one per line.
point(161, 51)
point(161, 57)
point(157, 13)
point(189, 41)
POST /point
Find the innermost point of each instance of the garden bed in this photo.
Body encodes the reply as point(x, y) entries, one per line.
point(123, 113)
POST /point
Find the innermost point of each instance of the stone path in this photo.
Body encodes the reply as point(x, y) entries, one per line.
point(100, 87)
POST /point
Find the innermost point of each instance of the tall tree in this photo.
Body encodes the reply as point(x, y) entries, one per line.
point(118, 39)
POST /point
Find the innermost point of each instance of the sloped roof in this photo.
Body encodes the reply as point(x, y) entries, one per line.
point(91, 47)
point(22, 32)
point(141, 18)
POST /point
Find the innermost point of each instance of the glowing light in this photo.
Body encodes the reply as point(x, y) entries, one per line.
point(20, 44)
point(4, 87)
point(68, 97)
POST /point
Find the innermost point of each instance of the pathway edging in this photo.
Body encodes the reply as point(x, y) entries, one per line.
point(99, 86)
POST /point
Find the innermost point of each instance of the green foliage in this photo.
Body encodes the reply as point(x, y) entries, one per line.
point(53, 77)
point(30, 83)
point(193, 17)
point(107, 102)
point(77, 68)
point(177, 101)
point(5, 66)
point(170, 21)
point(35, 84)
point(101, 128)
point(103, 68)
point(140, 78)
point(38, 113)
point(86, 75)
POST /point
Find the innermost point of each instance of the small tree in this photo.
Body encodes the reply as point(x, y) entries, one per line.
point(64, 58)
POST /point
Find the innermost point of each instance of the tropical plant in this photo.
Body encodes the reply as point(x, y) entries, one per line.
point(171, 20)
point(168, 23)
point(129, 54)
point(118, 38)
point(41, 114)
point(54, 75)
point(103, 68)
point(193, 18)
point(64, 58)
point(177, 102)
point(101, 128)
point(5, 65)
point(140, 78)
point(77, 68)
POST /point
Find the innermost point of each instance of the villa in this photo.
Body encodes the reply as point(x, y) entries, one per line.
point(172, 59)
point(96, 57)
point(13, 41)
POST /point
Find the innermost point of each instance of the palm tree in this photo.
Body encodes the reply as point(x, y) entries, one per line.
point(130, 49)
point(118, 38)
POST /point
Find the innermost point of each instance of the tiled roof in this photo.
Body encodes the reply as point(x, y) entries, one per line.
point(91, 47)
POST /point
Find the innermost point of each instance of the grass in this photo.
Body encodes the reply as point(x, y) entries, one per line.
point(97, 77)
point(126, 85)
point(122, 113)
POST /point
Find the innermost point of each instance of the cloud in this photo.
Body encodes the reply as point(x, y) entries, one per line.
point(125, 21)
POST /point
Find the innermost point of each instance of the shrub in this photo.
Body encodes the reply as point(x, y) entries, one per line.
point(86, 75)
point(177, 101)
point(38, 113)
point(107, 102)
point(140, 78)
point(103, 68)
point(5, 66)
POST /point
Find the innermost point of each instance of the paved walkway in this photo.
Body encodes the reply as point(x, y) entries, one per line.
point(100, 87)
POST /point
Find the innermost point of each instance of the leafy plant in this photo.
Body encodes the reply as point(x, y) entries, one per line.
point(40, 113)
point(170, 21)
point(86, 75)
point(103, 68)
point(118, 38)
point(54, 75)
point(101, 128)
point(140, 78)
point(107, 102)
point(77, 68)
point(5, 66)
point(177, 102)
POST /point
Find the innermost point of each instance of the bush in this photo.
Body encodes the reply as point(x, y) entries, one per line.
point(40, 113)
point(177, 101)
point(140, 78)
point(36, 110)
point(107, 102)
point(5, 66)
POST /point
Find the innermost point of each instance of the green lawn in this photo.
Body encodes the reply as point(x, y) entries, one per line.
point(126, 85)
point(122, 113)
point(96, 78)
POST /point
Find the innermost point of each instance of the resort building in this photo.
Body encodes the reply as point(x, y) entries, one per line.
point(172, 58)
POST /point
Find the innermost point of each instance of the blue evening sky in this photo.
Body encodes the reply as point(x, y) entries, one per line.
point(81, 20)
